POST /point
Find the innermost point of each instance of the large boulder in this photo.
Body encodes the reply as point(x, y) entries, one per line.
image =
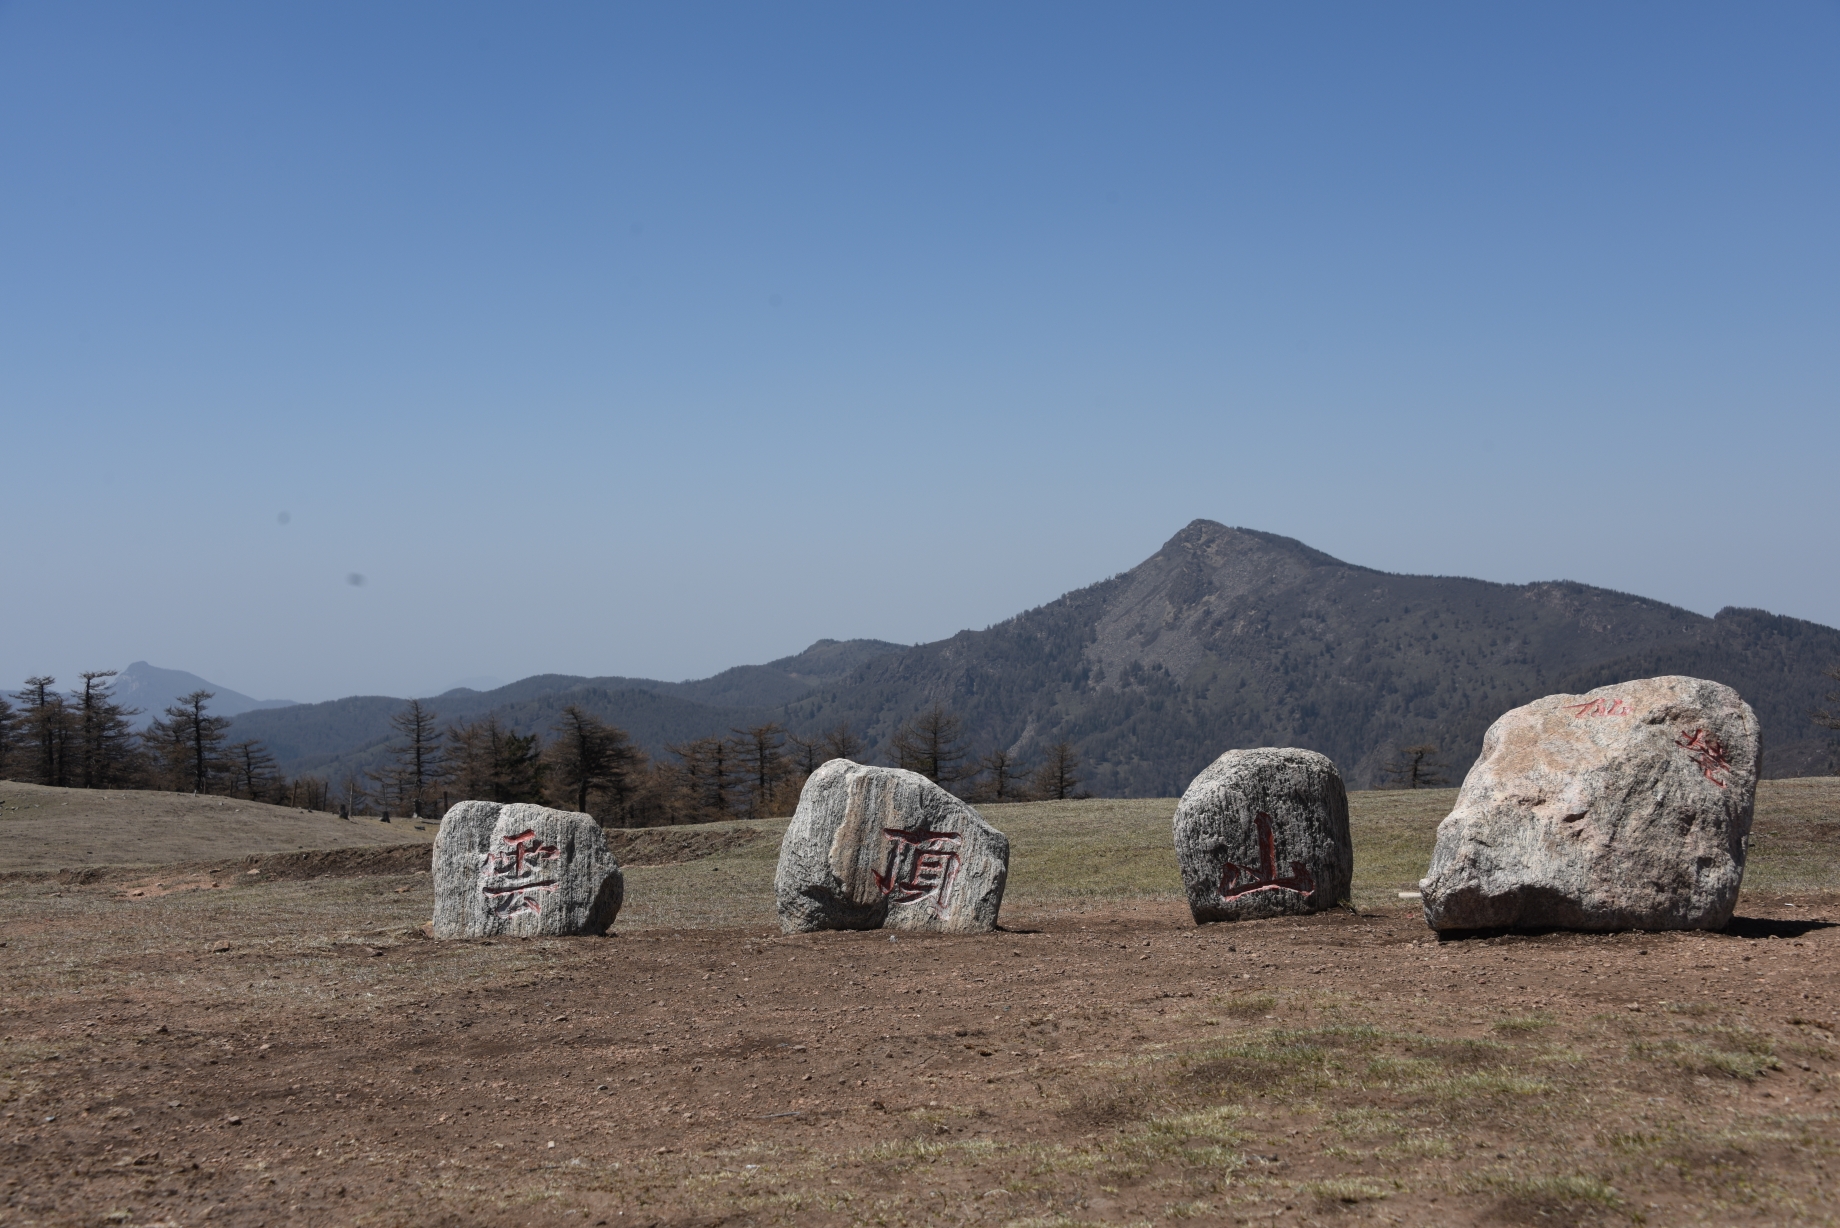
point(1264, 832)
point(878, 847)
point(523, 871)
point(1623, 808)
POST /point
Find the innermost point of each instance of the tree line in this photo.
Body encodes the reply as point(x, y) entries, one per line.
point(85, 738)
point(589, 765)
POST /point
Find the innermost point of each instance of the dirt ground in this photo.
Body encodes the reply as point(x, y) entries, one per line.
point(97, 827)
point(294, 1051)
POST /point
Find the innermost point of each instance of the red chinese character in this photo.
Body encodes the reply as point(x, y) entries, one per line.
point(1707, 753)
point(514, 875)
point(1600, 707)
point(1265, 878)
point(918, 864)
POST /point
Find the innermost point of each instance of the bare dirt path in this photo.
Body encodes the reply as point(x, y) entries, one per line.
point(295, 1052)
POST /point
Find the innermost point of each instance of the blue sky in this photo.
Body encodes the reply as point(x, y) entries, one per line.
point(651, 340)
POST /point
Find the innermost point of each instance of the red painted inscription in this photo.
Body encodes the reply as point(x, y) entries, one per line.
point(918, 865)
point(1708, 754)
point(1600, 707)
point(1238, 880)
point(514, 875)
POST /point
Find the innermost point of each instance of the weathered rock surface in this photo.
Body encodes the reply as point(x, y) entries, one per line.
point(1262, 833)
point(522, 870)
point(1623, 808)
point(878, 847)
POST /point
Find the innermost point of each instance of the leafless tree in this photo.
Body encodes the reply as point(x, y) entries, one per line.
point(417, 759)
point(1001, 777)
point(1828, 718)
point(761, 759)
point(1058, 777)
point(47, 726)
point(842, 743)
point(592, 757)
point(105, 744)
point(1414, 767)
point(252, 771)
point(929, 744)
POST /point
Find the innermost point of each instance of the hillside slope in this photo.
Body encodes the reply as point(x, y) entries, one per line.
point(1230, 637)
point(331, 738)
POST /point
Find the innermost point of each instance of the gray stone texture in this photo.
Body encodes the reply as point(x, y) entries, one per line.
point(1623, 808)
point(522, 871)
point(878, 847)
point(1262, 833)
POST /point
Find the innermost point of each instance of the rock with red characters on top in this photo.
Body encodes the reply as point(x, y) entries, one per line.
point(1623, 808)
point(1262, 833)
point(523, 871)
point(879, 847)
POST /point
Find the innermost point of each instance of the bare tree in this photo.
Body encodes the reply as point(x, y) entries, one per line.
point(760, 757)
point(705, 774)
point(807, 753)
point(842, 743)
point(472, 758)
point(416, 760)
point(252, 771)
point(590, 756)
point(45, 718)
point(9, 723)
point(204, 737)
point(1414, 767)
point(105, 744)
point(929, 744)
point(1001, 777)
point(1058, 777)
point(1824, 717)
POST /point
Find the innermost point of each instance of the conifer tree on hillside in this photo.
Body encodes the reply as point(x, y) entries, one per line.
point(1058, 777)
point(762, 762)
point(842, 743)
point(8, 726)
point(416, 761)
point(807, 754)
point(929, 744)
point(1414, 767)
point(106, 752)
point(591, 757)
point(45, 722)
point(705, 778)
point(472, 758)
point(251, 770)
point(193, 742)
point(1001, 777)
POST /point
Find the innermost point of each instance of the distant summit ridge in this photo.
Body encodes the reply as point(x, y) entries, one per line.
point(153, 690)
point(1225, 637)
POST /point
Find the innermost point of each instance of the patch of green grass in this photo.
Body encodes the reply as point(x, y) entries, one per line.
point(1546, 1194)
point(1247, 1006)
point(1521, 1025)
point(1737, 1052)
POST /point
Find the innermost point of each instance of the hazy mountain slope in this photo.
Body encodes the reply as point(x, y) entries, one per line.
point(1230, 637)
point(153, 690)
point(332, 737)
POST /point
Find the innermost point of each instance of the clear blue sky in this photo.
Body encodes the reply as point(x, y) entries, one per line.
point(651, 340)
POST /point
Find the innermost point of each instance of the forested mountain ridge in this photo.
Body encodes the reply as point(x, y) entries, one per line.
point(1231, 637)
point(1225, 637)
point(350, 734)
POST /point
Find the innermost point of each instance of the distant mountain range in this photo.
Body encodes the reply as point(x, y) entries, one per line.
point(153, 690)
point(341, 735)
point(1225, 637)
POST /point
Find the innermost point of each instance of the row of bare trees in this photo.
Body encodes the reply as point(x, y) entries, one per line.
point(588, 765)
point(84, 738)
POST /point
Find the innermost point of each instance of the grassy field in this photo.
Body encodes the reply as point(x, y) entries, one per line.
point(295, 1051)
point(1068, 853)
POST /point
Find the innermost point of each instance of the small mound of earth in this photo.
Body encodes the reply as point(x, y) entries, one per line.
point(667, 846)
point(638, 846)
